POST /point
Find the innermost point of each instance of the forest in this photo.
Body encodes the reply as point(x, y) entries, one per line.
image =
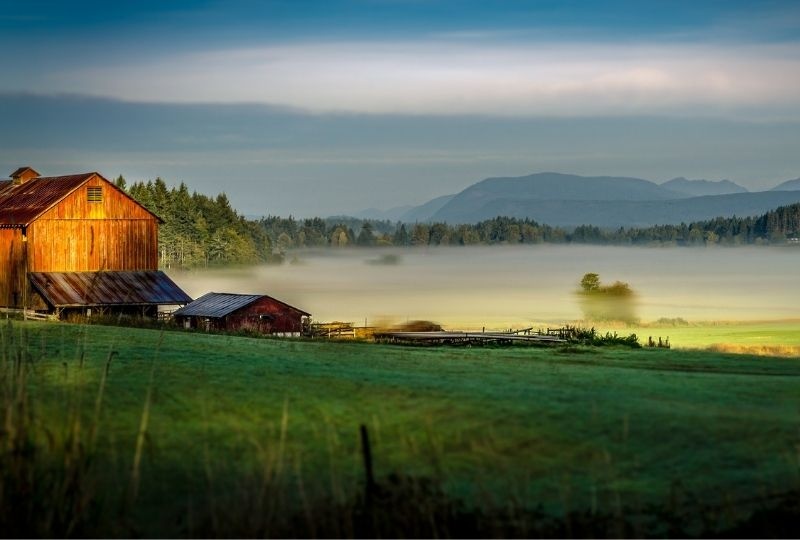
point(199, 230)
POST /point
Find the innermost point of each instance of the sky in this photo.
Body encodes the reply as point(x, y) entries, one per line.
point(307, 108)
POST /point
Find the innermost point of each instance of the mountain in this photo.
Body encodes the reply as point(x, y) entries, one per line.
point(789, 185)
point(569, 200)
point(547, 186)
point(614, 214)
point(392, 214)
point(408, 213)
point(699, 188)
point(424, 212)
point(558, 186)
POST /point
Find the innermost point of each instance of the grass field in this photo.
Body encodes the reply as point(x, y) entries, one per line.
point(771, 338)
point(209, 435)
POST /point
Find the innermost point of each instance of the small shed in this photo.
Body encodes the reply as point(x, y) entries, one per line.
point(251, 312)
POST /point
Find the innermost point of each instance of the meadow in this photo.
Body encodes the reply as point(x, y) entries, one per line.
point(114, 431)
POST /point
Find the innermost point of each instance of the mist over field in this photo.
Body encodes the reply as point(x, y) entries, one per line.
point(505, 286)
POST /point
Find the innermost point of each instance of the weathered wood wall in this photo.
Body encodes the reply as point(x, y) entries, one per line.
point(12, 267)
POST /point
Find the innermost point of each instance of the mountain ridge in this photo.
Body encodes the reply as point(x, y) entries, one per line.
point(699, 188)
point(561, 199)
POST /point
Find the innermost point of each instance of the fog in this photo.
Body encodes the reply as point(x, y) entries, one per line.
point(518, 286)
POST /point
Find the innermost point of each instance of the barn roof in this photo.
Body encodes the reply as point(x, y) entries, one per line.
point(75, 289)
point(21, 204)
point(217, 305)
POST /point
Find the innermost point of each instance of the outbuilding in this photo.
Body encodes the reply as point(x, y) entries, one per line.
point(244, 312)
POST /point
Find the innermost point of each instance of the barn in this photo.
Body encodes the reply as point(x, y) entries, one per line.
point(250, 312)
point(78, 243)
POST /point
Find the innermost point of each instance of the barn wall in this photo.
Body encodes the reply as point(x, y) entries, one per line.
point(12, 267)
point(88, 245)
point(284, 318)
point(81, 236)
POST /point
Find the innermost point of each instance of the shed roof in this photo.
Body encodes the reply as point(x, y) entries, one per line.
point(21, 204)
point(217, 305)
point(75, 289)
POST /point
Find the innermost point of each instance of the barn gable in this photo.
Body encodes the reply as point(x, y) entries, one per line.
point(77, 196)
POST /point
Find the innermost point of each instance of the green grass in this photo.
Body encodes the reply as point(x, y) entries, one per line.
point(242, 433)
point(782, 337)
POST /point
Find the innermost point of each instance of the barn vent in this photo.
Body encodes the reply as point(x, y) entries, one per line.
point(94, 194)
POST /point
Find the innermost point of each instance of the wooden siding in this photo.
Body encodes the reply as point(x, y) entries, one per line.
point(81, 236)
point(90, 245)
point(12, 267)
point(115, 205)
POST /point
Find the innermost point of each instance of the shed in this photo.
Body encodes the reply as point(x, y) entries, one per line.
point(134, 293)
point(253, 312)
point(82, 231)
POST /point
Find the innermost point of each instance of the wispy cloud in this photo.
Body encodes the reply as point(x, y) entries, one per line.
point(443, 77)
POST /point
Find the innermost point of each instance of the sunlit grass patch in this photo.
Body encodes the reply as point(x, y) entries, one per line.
point(759, 350)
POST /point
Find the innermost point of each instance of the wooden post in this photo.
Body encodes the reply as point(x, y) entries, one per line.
point(367, 453)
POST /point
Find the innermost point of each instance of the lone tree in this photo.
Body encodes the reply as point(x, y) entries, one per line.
point(590, 282)
point(606, 302)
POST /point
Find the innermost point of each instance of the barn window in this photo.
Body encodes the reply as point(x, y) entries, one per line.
point(95, 194)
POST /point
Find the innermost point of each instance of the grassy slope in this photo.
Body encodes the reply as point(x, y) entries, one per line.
point(602, 428)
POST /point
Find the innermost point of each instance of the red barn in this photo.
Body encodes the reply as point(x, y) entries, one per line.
point(254, 312)
point(79, 243)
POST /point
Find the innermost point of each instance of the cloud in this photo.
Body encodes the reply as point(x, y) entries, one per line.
point(440, 77)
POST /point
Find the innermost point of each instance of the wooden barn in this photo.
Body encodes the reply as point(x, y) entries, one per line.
point(78, 243)
point(253, 312)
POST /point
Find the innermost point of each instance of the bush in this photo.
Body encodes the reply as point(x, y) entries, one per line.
point(590, 336)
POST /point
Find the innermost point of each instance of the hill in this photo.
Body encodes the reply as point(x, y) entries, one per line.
point(699, 188)
point(425, 211)
point(789, 185)
point(569, 200)
point(612, 214)
point(392, 214)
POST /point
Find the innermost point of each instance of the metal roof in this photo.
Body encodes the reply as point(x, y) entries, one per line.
point(73, 289)
point(217, 305)
point(20, 204)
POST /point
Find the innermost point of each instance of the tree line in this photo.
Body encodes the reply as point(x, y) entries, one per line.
point(199, 230)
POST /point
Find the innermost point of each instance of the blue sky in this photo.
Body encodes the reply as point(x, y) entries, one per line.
point(334, 106)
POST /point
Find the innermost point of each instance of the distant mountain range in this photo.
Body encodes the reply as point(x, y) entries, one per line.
point(568, 200)
point(789, 185)
point(700, 188)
